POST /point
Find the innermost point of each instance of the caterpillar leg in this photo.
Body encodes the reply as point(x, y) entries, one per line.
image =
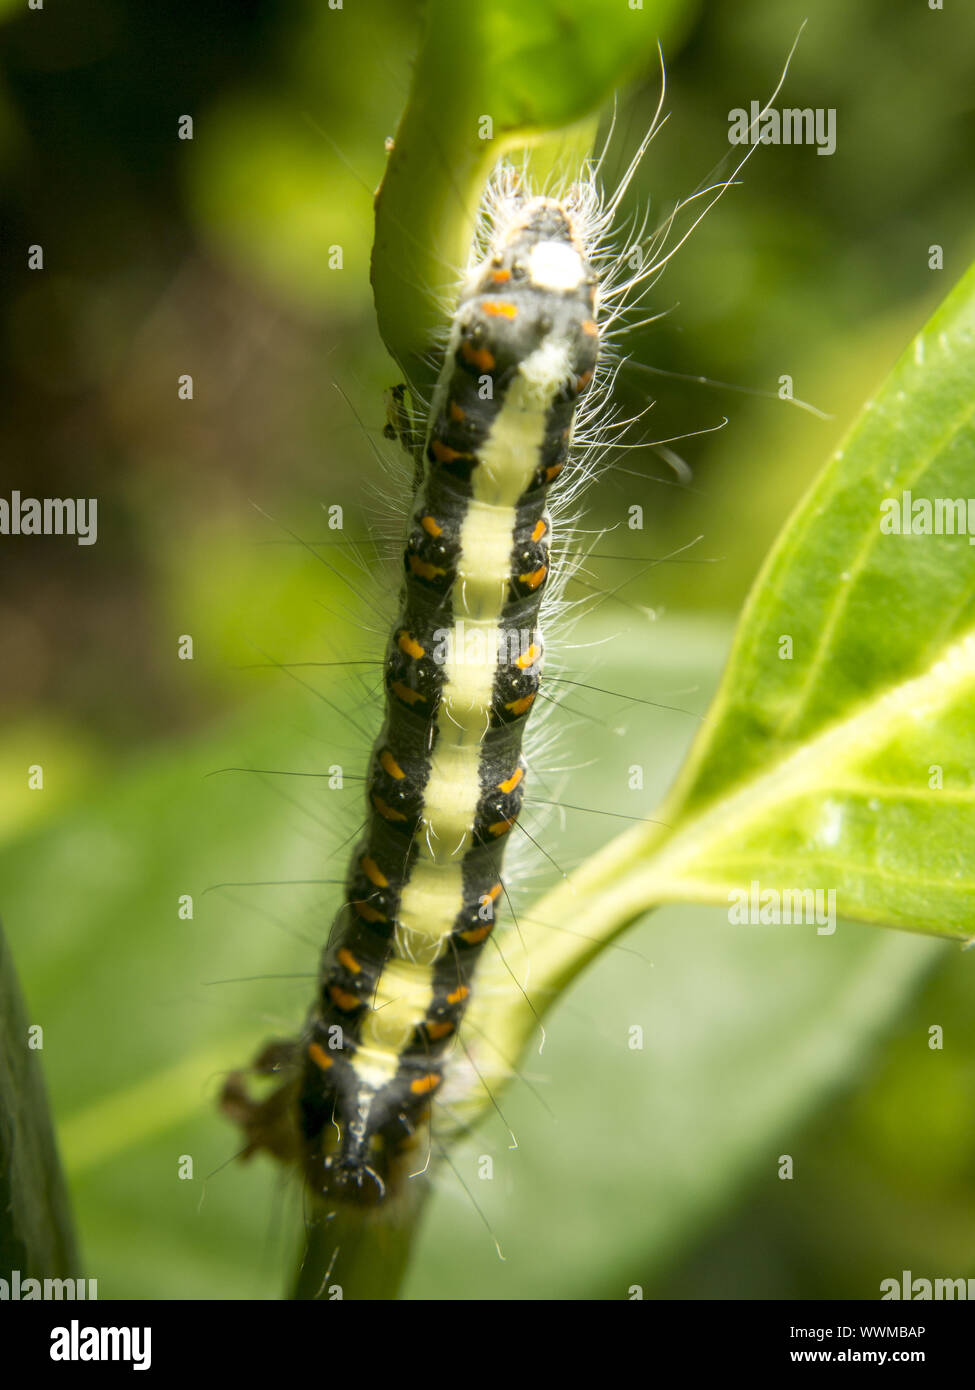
point(269, 1124)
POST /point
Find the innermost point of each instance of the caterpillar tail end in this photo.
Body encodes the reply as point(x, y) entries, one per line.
point(344, 1160)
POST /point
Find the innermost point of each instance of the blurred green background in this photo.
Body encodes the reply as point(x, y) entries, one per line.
point(210, 257)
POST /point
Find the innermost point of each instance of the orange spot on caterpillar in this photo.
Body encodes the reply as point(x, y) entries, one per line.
point(500, 827)
point(404, 693)
point(389, 764)
point(590, 329)
point(494, 893)
point(459, 995)
point(443, 453)
point(430, 526)
point(521, 705)
point(386, 811)
point(346, 958)
point(477, 357)
point(319, 1056)
point(508, 786)
point(583, 381)
point(553, 471)
point(373, 872)
point(540, 528)
point(425, 569)
point(499, 308)
point(476, 934)
point(436, 1031)
point(367, 912)
point(343, 999)
point(501, 277)
point(423, 1085)
point(409, 646)
point(534, 579)
point(456, 412)
point(528, 658)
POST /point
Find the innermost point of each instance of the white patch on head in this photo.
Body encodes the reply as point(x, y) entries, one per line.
point(531, 393)
point(554, 265)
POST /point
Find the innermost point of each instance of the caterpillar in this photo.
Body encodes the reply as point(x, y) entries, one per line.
point(447, 775)
point(524, 368)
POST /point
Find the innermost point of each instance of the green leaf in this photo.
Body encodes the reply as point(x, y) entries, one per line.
point(818, 770)
point(529, 69)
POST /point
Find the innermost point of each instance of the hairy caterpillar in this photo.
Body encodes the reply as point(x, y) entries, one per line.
point(447, 776)
point(446, 779)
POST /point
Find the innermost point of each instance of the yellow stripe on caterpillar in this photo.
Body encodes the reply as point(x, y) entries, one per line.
point(429, 899)
point(402, 997)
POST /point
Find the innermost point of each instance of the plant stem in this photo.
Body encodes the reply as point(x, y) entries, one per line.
point(360, 1253)
point(36, 1231)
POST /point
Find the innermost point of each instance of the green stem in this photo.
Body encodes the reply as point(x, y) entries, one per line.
point(424, 224)
point(360, 1253)
point(36, 1231)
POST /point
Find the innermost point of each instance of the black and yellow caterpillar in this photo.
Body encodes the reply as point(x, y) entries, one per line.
point(447, 775)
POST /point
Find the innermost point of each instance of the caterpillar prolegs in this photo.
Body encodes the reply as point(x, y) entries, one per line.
point(463, 669)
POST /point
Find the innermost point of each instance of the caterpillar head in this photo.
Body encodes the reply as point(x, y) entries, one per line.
point(529, 306)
